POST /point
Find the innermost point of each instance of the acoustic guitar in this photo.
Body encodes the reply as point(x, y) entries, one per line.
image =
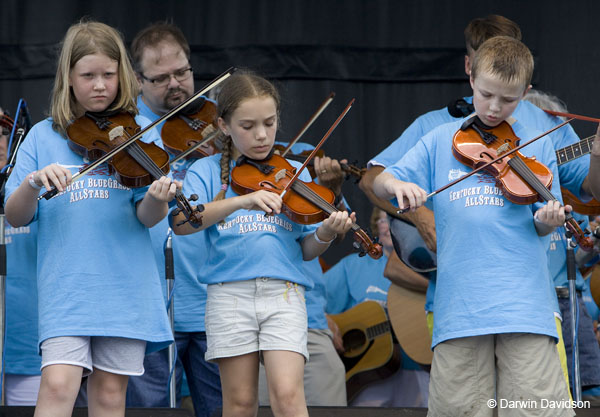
point(370, 353)
point(405, 308)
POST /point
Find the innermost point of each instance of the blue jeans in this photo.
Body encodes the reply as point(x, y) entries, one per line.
point(151, 389)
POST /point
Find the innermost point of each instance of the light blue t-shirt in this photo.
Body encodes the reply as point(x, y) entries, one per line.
point(147, 112)
point(316, 296)
point(571, 174)
point(492, 272)
point(21, 348)
point(247, 244)
point(189, 255)
point(356, 279)
point(96, 271)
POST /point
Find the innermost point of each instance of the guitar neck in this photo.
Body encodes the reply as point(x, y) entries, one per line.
point(378, 329)
point(574, 151)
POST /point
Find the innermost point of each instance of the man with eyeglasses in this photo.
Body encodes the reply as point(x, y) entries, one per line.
point(161, 60)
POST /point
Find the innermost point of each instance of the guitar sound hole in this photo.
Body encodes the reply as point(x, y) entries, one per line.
point(354, 339)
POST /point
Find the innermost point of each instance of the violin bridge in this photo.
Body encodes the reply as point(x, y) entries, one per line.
point(116, 132)
point(280, 175)
point(503, 148)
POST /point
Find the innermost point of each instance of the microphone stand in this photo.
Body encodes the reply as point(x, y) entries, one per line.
point(3, 178)
point(4, 174)
point(573, 308)
point(170, 277)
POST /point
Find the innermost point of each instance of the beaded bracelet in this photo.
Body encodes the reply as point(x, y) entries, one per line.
point(324, 241)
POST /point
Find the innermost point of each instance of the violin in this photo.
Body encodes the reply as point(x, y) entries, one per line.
point(305, 203)
point(523, 180)
point(94, 135)
point(185, 129)
point(54, 191)
point(473, 146)
point(350, 170)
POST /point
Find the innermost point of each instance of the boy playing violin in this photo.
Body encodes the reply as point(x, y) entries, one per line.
point(490, 347)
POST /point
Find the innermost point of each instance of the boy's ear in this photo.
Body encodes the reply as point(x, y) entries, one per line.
point(471, 81)
point(467, 65)
point(526, 91)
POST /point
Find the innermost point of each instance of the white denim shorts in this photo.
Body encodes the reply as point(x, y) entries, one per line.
point(116, 355)
point(253, 316)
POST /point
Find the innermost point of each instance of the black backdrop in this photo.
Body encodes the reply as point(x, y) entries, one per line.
point(398, 58)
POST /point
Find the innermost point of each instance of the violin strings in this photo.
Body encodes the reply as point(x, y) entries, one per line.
point(317, 200)
point(523, 170)
point(144, 159)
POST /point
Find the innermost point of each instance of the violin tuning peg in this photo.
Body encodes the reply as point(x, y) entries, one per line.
point(176, 212)
point(356, 245)
point(194, 197)
point(199, 208)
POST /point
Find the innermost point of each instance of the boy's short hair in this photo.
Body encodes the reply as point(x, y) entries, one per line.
point(506, 58)
point(481, 29)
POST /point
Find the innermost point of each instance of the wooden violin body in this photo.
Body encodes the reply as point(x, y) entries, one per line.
point(472, 150)
point(93, 136)
point(522, 180)
point(304, 203)
point(184, 130)
point(245, 179)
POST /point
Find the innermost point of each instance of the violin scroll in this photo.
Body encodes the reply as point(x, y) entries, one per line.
point(573, 228)
point(192, 214)
point(364, 244)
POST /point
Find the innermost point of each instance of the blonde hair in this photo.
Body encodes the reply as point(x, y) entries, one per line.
point(506, 58)
point(237, 88)
point(88, 38)
point(481, 29)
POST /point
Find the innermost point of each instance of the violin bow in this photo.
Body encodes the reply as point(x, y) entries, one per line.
point(309, 123)
point(314, 151)
point(504, 155)
point(51, 193)
point(572, 116)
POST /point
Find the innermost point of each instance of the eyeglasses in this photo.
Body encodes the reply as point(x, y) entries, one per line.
point(4, 131)
point(164, 79)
